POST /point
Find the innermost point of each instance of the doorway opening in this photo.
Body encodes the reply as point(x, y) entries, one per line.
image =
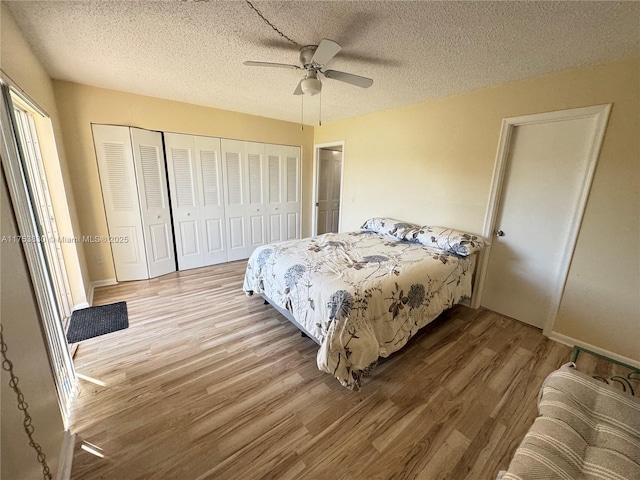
point(328, 173)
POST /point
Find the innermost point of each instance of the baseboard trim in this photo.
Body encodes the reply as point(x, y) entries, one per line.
point(99, 283)
point(65, 461)
point(566, 340)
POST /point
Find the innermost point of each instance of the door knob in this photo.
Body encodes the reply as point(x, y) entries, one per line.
point(499, 233)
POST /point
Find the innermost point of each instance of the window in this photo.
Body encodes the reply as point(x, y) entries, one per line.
point(23, 168)
point(37, 180)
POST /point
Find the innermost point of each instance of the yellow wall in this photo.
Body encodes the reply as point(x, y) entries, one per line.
point(81, 105)
point(432, 163)
point(20, 64)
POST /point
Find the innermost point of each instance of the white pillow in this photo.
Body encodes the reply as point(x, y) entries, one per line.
point(447, 239)
point(389, 226)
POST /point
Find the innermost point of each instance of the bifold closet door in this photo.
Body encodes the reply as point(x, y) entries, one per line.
point(195, 181)
point(151, 175)
point(256, 197)
point(209, 162)
point(120, 195)
point(244, 183)
point(291, 192)
point(283, 192)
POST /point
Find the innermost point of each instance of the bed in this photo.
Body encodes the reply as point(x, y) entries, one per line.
point(362, 295)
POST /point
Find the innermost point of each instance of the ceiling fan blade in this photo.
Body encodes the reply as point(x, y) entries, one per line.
point(298, 90)
point(325, 51)
point(350, 78)
point(269, 64)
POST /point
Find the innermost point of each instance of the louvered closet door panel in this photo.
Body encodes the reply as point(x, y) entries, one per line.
point(256, 185)
point(151, 177)
point(291, 200)
point(119, 192)
point(235, 198)
point(212, 216)
point(275, 191)
point(185, 199)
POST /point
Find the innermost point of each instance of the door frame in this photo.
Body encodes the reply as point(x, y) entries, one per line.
point(601, 115)
point(314, 198)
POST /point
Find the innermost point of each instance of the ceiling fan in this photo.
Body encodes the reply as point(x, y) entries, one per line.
point(313, 59)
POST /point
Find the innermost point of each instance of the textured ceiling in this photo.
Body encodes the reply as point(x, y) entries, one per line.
point(192, 51)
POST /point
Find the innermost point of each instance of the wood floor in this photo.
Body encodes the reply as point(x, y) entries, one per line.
point(209, 384)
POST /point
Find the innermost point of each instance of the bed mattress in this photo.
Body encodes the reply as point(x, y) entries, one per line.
point(362, 295)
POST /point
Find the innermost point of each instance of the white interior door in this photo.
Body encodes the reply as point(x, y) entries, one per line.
point(323, 202)
point(209, 162)
point(151, 176)
point(185, 199)
point(336, 184)
point(119, 192)
point(328, 188)
point(545, 181)
point(235, 196)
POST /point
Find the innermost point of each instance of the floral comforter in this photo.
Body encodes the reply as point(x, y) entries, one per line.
point(362, 295)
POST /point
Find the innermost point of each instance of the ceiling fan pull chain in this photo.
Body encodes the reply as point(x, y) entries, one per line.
point(320, 111)
point(271, 24)
point(22, 405)
point(302, 114)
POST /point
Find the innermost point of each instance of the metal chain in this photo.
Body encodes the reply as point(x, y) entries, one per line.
point(22, 405)
point(271, 24)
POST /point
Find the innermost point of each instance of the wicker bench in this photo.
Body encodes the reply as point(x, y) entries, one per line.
point(585, 429)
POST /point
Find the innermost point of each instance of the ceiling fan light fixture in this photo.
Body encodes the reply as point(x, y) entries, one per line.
point(311, 86)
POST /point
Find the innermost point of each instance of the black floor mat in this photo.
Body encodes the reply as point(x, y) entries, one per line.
point(95, 321)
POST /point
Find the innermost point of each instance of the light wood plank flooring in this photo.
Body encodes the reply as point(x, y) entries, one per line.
point(209, 384)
